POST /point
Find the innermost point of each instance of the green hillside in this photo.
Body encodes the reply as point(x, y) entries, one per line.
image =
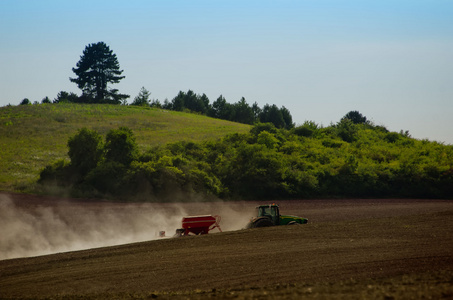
point(33, 136)
point(151, 154)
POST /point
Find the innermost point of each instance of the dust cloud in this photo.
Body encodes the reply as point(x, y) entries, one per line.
point(39, 229)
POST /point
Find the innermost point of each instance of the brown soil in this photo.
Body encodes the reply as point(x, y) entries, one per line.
point(350, 249)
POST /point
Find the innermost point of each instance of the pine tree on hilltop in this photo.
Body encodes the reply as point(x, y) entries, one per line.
point(97, 67)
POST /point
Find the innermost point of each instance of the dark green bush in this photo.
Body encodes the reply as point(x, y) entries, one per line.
point(86, 150)
point(120, 146)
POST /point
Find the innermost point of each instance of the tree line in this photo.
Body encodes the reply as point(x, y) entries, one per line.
point(240, 111)
point(352, 158)
point(98, 68)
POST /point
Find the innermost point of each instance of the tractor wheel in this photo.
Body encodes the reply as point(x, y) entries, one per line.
point(265, 222)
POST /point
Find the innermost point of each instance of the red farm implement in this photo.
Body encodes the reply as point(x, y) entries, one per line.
point(196, 225)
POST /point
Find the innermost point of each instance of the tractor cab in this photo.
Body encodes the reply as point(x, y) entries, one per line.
point(270, 211)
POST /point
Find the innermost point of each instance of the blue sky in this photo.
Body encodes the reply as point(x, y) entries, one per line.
point(390, 60)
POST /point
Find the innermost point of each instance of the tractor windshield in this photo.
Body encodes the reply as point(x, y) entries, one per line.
point(266, 211)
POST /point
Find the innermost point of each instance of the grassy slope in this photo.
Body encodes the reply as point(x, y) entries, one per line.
point(33, 136)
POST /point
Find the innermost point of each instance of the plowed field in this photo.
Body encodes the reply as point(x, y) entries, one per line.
point(350, 249)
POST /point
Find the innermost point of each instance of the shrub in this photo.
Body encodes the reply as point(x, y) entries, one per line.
point(60, 174)
point(259, 127)
point(25, 101)
point(392, 137)
point(142, 99)
point(120, 146)
point(347, 130)
point(108, 178)
point(355, 117)
point(85, 150)
point(303, 131)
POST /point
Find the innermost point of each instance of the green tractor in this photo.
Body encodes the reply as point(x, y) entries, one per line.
point(269, 215)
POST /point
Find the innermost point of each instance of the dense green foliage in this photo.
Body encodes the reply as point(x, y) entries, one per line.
point(343, 160)
point(85, 150)
point(35, 136)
